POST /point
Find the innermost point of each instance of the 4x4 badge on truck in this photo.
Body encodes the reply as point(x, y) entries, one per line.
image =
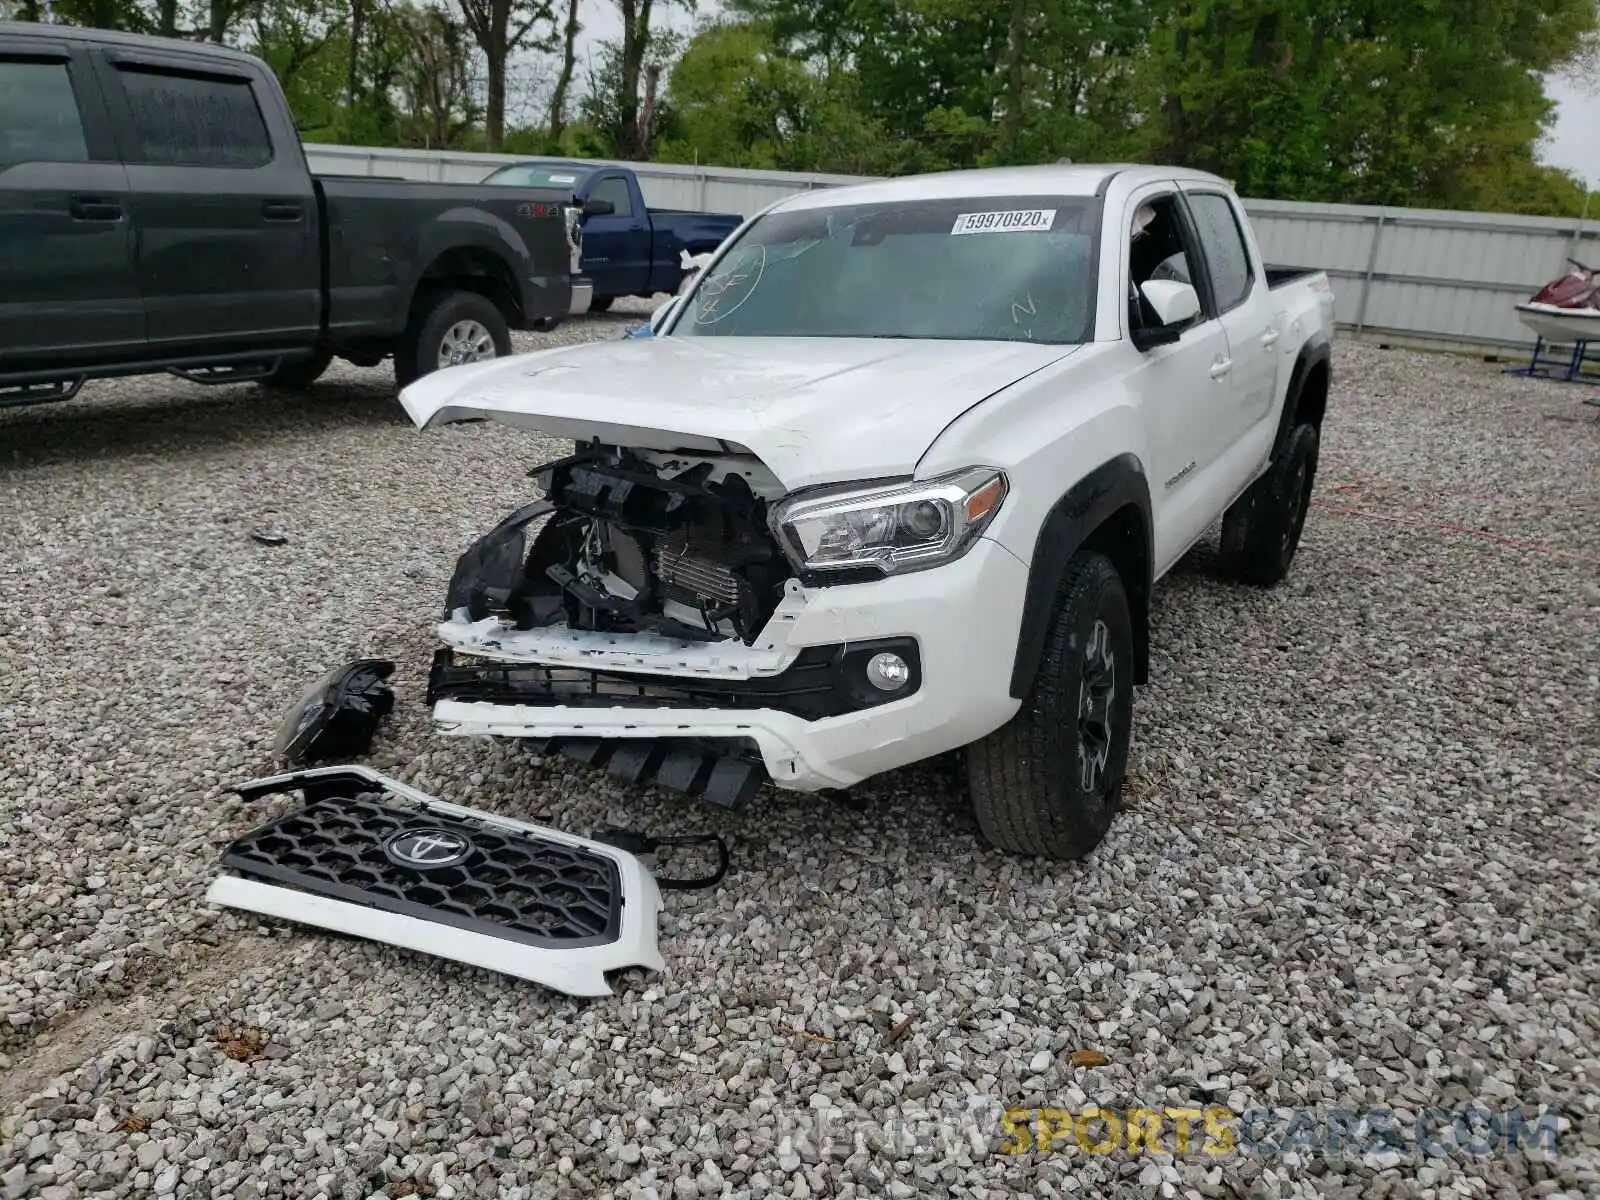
point(428, 849)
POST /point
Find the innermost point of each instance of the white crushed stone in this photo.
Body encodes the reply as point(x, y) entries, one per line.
point(1359, 870)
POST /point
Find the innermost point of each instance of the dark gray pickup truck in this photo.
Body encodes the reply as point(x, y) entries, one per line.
point(157, 214)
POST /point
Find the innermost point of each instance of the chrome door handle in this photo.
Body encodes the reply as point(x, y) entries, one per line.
point(1270, 338)
point(1221, 367)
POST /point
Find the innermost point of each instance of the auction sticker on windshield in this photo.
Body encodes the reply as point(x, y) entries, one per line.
point(1017, 220)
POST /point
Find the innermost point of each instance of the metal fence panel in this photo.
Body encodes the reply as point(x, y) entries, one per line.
point(1411, 276)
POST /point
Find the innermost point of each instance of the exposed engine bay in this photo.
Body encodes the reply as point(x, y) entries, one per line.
point(636, 542)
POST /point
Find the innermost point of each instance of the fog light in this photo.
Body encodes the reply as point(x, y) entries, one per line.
point(888, 672)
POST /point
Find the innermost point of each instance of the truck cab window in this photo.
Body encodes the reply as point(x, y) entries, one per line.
point(1157, 250)
point(194, 120)
point(1231, 275)
point(39, 118)
point(615, 189)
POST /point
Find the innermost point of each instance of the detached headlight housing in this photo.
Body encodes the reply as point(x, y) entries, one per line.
point(907, 527)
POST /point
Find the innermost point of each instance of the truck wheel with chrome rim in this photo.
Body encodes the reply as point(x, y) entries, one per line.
point(455, 328)
point(1261, 530)
point(1049, 782)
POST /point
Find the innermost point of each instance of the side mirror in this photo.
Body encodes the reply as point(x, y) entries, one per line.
point(1174, 304)
point(598, 208)
point(659, 317)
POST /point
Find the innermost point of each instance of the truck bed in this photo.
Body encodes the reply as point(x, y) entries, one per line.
point(382, 231)
point(1278, 277)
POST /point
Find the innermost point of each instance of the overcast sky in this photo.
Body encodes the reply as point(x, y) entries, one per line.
point(1573, 144)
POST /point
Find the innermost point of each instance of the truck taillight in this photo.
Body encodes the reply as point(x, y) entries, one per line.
point(574, 216)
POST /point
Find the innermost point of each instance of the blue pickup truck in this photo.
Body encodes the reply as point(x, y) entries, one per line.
point(628, 248)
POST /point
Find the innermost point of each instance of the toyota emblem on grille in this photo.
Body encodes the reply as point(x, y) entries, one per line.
point(427, 848)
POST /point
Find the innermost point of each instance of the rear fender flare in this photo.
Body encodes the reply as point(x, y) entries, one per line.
point(462, 230)
point(1316, 350)
point(1116, 485)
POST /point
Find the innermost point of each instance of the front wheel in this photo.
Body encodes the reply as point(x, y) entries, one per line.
point(1049, 782)
point(1261, 530)
point(455, 328)
point(601, 303)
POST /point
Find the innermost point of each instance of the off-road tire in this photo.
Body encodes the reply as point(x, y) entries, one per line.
point(418, 352)
point(1261, 529)
point(300, 375)
point(1049, 782)
point(601, 303)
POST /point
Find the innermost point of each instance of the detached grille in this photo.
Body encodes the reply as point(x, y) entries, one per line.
point(698, 576)
point(509, 884)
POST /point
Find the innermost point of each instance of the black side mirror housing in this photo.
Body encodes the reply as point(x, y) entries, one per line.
point(598, 208)
point(1145, 337)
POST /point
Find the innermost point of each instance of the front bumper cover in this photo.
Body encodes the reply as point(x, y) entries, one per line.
point(960, 617)
point(820, 682)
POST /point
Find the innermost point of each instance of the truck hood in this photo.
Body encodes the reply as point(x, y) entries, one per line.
point(814, 410)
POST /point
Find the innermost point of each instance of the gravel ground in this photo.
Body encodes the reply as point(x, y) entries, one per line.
point(1357, 873)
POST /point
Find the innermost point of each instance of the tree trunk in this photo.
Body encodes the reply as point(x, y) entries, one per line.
point(220, 19)
point(647, 115)
point(569, 58)
point(635, 45)
point(1177, 119)
point(167, 18)
point(352, 65)
point(494, 117)
point(1011, 112)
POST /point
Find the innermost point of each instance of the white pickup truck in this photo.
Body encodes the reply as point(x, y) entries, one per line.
point(894, 478)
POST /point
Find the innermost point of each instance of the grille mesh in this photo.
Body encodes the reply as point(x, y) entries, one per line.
point(512, 885)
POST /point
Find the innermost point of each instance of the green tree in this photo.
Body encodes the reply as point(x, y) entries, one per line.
point(611, 126)
point(1371, 102)
point(737, 102)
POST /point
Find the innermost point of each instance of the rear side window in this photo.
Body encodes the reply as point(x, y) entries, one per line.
point(39, 117)
point(1224, 247)
point(195, 120)
point(534, 176)
point(615, 189)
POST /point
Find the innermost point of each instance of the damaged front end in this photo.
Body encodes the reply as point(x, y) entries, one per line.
point(637, 620)
point(636, 542)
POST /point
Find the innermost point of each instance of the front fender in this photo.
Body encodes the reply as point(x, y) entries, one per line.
point(1074, 521)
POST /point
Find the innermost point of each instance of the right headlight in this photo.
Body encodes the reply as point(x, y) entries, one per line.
point(903, 528)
